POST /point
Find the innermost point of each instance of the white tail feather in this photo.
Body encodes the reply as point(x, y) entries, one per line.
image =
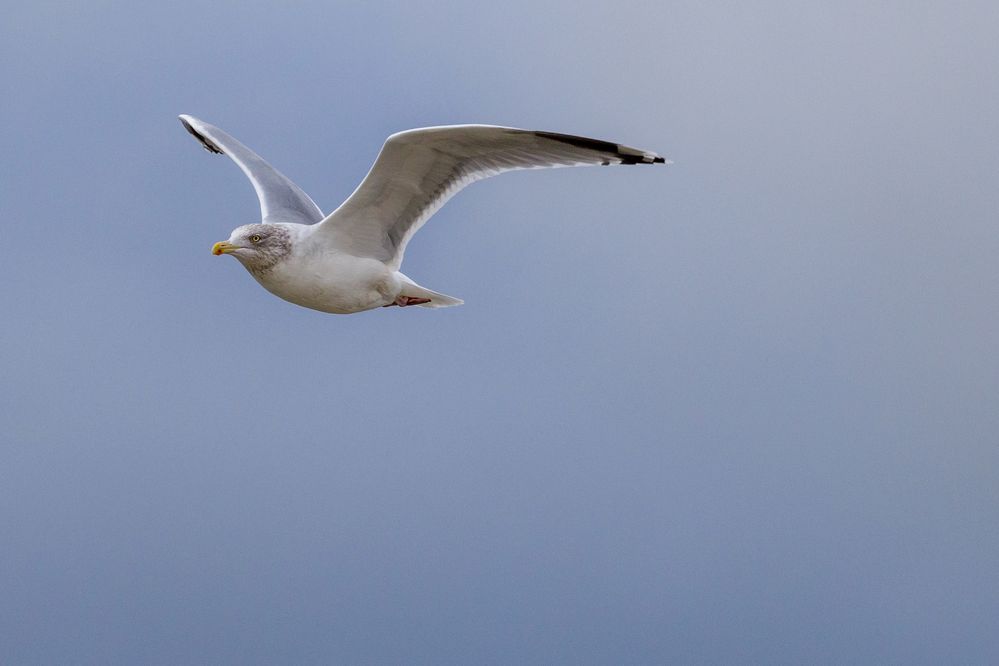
point(437, 299)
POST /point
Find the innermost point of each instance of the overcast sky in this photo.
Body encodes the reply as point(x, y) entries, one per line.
point(744, 409)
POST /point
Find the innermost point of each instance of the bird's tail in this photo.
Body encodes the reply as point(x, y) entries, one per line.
point(437, 299)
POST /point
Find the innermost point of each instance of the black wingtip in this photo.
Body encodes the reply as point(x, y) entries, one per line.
point(643, 158)
point(623, 154)
point(581, 142)
point(646, 158)
point(206, 143)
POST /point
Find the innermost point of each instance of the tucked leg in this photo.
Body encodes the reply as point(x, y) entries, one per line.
point(403, 301)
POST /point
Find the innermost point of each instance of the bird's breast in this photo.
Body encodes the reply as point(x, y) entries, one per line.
point(335, 283)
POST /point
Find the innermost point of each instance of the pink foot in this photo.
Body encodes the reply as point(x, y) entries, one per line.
point(403, 301)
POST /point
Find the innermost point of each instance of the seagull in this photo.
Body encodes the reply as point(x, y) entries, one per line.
point(348, 261)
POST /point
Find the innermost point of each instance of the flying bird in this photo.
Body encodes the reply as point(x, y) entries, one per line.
point(348, 261)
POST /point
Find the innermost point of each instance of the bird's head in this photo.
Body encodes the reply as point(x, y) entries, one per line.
point(257, 246)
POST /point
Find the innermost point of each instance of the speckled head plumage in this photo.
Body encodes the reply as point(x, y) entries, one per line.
point(259, 247)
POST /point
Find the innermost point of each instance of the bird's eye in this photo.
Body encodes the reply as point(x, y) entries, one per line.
point(255, 238)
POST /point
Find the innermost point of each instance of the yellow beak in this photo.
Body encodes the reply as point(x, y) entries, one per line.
point(225, 247)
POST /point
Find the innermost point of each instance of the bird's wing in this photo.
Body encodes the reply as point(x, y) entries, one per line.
point(280, 199)
point(417, 171)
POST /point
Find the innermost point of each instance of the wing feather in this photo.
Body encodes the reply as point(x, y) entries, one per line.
point(280, 199)
point(417, 171)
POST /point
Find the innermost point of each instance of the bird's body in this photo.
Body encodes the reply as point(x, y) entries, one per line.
point(327, 279)
point(349, 261)
point(322, 277)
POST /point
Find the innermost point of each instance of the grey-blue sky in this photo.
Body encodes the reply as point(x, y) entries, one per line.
point(741, 410)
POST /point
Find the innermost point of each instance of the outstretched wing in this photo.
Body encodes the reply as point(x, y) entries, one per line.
point(417, 171)
point(280, 199)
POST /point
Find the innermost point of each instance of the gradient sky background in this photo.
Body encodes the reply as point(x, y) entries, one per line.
point(744, 409)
